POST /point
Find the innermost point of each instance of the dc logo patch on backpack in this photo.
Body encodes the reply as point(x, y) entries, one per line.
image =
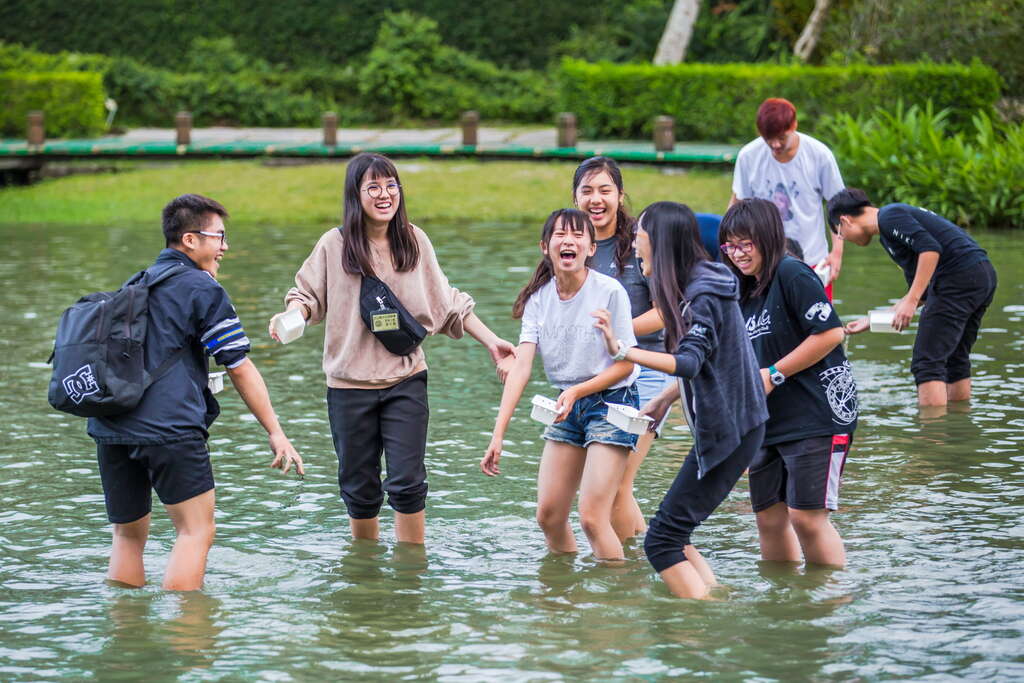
point(99, 351)
point(80, 384)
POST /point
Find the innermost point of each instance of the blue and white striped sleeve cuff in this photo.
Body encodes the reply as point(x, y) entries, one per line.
point(227, 335)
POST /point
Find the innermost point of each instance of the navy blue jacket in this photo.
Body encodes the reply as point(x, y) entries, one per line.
point(722, 390)
point(192, 311)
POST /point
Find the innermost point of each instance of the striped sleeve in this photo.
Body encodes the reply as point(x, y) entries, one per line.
point(222, 334)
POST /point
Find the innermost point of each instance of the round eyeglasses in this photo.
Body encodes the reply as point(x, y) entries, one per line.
point(377, 191)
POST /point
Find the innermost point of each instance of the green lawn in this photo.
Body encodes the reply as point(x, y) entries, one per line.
point(311, 194)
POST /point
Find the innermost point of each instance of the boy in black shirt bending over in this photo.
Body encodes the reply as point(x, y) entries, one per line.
point(944, 267)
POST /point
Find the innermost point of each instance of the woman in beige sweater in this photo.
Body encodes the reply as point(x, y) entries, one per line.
point(376, 400)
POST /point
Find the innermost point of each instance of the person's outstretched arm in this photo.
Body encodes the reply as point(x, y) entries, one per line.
point(250, 385)
point(496, 346)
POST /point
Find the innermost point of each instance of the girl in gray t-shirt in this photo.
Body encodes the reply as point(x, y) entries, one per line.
point(582, 449)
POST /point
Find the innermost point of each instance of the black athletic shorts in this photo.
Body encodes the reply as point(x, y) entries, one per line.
point(177, 471)
point(392, 421)
point(950, 322)
point(803, 474)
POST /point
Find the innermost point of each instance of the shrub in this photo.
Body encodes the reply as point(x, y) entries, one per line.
point(15, 57)
point(409, 73)
point(719, 101)
point(149, 96)
point(973, 177)
point(71, 101)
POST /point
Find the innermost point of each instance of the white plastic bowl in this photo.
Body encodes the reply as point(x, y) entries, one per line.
point(289, 326)
point(215, 382)
point(628, 419)
point(544, 409)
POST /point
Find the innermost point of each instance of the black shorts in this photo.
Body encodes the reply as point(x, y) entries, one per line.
point(803, 474)
point(367, 422)
point(950, 322)
point(177, 471)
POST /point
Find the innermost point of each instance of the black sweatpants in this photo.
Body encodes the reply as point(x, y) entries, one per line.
point(366, 422)
point(950, 322)
point(690, 501)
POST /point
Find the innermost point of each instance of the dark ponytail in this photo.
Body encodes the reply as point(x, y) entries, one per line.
point(576, 221)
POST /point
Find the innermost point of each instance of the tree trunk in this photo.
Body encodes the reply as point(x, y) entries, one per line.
point(808, 39)
point(678, 31)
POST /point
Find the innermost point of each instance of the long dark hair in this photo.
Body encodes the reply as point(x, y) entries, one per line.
point(625, 225)
point(576, 221)
point(676, 248)
point(756, 220)
point(355, 259)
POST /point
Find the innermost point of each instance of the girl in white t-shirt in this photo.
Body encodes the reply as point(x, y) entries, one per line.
point(583, 451)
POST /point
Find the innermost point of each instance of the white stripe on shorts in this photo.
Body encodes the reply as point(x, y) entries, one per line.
point(837, 456)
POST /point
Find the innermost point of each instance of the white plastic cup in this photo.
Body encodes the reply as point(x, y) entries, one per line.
point(881, 321)
point(289, 326)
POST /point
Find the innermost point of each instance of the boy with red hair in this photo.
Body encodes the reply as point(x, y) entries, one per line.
point(798, 174)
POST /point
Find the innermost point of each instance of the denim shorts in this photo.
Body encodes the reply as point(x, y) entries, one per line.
point(588, 423)
point(649, 384)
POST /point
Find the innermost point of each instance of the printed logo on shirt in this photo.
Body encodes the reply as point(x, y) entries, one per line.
point(821, 309)
point(841, 392)
point(901, 237)
point(698, 331)
point(757, 327)
point(569, 333)
point(781, 196)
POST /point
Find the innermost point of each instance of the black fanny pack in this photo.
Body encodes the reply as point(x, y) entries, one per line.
point(387, 319)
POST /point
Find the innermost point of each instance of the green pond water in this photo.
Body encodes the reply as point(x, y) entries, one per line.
point(931, 510)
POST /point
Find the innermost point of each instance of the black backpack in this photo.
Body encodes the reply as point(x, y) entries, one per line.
point(99, 351)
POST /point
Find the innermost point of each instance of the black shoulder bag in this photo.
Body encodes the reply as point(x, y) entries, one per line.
point(387, 319)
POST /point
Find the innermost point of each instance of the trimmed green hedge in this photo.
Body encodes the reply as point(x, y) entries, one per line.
point(72, 102)
point(719, 101)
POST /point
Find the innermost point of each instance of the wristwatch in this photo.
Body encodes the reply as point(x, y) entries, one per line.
point(621, 353)
point(776, 377)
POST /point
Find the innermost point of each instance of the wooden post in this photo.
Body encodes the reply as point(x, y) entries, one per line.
point(183, 128)
point(330, 129)
point(35, 133)
point(664, 134)
point(470, 121)
point(566, 129)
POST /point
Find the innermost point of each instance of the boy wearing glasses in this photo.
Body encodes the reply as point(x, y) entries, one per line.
point(161, 443)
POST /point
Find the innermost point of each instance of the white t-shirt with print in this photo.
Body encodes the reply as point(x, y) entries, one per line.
point(797, 187)
point(573, 349)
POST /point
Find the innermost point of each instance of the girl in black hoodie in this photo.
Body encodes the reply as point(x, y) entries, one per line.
point(718, 379)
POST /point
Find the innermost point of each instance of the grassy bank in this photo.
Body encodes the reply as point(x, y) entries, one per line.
point(254, 193)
